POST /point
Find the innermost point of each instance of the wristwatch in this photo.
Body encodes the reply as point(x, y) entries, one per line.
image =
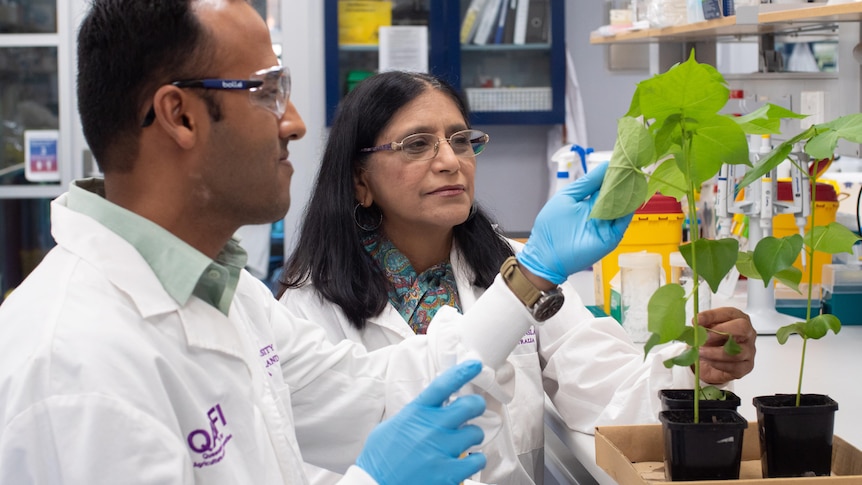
point(541, 304)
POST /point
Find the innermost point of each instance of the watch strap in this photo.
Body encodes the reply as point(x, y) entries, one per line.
point(518, 283)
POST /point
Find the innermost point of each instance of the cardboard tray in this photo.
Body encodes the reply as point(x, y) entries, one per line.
point(633, 455)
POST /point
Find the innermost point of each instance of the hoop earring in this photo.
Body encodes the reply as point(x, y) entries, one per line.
point(366, 227)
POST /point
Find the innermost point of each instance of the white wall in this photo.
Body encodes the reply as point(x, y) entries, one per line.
point(606, 94)
point(303, 54)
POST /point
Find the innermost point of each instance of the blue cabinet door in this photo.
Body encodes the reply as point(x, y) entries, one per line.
point(512, 72)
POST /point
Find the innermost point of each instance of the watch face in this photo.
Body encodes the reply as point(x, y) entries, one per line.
point(548, 306)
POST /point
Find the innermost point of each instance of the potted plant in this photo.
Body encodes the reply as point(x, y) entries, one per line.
point(796, 430)
point(674, 131)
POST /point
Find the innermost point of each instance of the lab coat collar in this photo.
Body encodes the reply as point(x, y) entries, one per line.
point(204, 326)
point(112, 255)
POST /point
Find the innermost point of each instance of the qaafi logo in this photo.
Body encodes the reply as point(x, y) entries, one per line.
point(210, 444)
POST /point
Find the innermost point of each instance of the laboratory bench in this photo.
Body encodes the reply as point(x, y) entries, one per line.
point(830, 366)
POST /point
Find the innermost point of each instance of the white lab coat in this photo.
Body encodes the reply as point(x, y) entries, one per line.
point(588, 366)
point(104, 378)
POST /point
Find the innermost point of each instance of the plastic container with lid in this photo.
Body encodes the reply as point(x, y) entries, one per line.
point(640, 277)
point(656, 228)
point(842, 289)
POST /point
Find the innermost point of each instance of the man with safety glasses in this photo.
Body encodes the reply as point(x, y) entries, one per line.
point(140, 351)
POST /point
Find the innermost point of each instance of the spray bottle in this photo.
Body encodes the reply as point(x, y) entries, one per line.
point(567, 164)
point(563, 177)
point(582, 153)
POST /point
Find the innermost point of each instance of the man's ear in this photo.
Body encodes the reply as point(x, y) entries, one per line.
point(361, 189)
point(176, 116)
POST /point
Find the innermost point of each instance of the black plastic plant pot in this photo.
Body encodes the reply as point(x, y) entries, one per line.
point(708, 450)
point(795, 441)
point(683, 399)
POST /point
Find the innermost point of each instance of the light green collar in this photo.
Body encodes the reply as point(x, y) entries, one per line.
point(183, 270)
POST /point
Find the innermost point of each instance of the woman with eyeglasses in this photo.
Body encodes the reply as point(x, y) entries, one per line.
point(393, 239)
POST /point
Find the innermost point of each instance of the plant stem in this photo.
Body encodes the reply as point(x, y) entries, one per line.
point(801, 367)
point(693, 234)
point(809, 251)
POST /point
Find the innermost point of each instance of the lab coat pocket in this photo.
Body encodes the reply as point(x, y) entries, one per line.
point(527, 406)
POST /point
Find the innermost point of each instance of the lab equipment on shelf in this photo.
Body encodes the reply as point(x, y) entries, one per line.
point(759, 202)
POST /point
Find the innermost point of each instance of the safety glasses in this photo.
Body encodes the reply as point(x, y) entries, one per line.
point(424, 146)
point(268, 88)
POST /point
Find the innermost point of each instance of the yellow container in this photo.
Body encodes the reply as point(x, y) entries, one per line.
point(825, 211)
point(656, 228)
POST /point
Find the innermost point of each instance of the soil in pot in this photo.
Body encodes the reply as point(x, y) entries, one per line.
point(795, 441)
point(682, 399)
point(708, 450)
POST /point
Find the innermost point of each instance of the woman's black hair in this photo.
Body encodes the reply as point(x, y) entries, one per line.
point(329, 251)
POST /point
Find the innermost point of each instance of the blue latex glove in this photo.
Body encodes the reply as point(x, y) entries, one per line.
point(564, 239)
point(423, 442)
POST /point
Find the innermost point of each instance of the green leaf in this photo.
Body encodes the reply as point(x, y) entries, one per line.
point(685, 359)
point(688, 88)
point(624, 188)
point(786, 331)
point(636, 145)
point(711, 393)
point(731, 347)
point(745, 265)
point(816, 328)
point(832, 238)
point(712, 259)
point(666, 312)
point(765, 120)
point(688, 336)
point(772, 255)
point(789, 277)
point(635, 106)
point(819, 326)
point(668, 180)
point(848, 127)
point(764, 165)
point(651, 342)
point(715, 141)
point(822, 145)
point(668, 135)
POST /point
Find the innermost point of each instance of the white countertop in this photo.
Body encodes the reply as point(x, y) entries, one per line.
point(832, 365)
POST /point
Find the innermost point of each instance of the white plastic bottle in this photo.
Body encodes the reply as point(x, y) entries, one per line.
point(563, 176)
point(640, 277)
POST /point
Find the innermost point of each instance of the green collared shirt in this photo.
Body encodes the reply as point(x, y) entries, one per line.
point(183, 270)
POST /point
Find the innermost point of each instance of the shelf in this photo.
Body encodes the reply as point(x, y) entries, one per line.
point(464, 47)
point(505, 47)
point(768, 21)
